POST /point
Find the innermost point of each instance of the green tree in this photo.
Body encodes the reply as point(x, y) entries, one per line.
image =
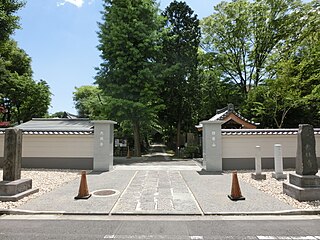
point(291, 95)
point(20, 95)
point(128, 39)
point(243, 34)
point(272, 102)
point(8, 20)
point(88, 102)
point(180, 56)
point(24, 98)
point(36, 101)
point(59, 114)
point(303, 57)
point(215, 93)
point(15, 59)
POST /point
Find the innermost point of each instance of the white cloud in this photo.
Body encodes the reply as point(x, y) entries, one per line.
point(77, 3)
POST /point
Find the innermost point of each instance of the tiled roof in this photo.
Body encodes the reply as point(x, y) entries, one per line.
point(57, 132)
point(37, 132)
point(221, 114)
point(224, 132)
point(57, 125)
point(228, 132)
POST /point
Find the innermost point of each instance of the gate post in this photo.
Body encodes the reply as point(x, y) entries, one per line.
point(103, 145)
point(212, 145)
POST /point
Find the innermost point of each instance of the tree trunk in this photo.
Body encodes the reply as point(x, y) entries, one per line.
point(18, 114)
point(178, 135)
point(136, 137)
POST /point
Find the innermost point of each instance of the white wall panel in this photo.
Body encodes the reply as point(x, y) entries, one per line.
point(57, 146)
point(243, 146)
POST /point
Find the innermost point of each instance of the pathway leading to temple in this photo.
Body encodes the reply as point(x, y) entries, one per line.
point(154, 192)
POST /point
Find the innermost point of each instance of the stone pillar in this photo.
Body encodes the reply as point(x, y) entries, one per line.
point(306, 160)
point(278, 163)
point(258, 174)
point(12, 154)
point(212, 145)
point(305, 184)
point(12, 188)
point(103, 145)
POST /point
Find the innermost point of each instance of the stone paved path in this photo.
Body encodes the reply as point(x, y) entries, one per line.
point(154, 192)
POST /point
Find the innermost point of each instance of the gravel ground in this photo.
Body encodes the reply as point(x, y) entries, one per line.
point(48, 179)
point(44, 179)
point(273, 187)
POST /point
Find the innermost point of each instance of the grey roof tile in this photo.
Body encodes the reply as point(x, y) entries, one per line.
point(57, 125)
point(283, 131)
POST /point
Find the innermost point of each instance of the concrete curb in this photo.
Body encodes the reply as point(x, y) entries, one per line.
point(274, 213)
point(271, 213)
point(28, 212)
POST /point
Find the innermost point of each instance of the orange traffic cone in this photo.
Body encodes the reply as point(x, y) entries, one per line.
point(235, 188)
point(83, 189)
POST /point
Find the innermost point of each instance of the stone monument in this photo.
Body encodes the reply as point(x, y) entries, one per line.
point(258, 175)
point(278, 163)
point(304, 185)
point(13, 188)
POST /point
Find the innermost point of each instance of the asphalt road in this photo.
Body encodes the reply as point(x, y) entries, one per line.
point(158, 227)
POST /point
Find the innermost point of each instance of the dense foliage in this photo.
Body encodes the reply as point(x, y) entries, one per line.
point(21, 98)
point(128, 74)
point(180, 45)
point(9, 22)
point(159, 75)
point(268, 49)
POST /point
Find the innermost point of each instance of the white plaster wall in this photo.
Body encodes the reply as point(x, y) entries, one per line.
point(243, 146)
point(234, 146)
point(57, 146)
point(1, 145)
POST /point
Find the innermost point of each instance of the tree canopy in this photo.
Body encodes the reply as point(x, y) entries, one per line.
point(268, 49)
point(180, 58)
point(243, 34)
point(127, 76)
point(21, 98)
point(88, 102)
point(159, 73)
point(9, 22)
point(291, 93)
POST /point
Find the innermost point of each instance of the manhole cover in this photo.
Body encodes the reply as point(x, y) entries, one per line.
point(105, 192)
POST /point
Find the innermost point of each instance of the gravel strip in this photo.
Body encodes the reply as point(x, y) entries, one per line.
point(274, 188)
point(44, 179)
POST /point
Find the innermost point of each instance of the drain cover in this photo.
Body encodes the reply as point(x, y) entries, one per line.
point(105, 192)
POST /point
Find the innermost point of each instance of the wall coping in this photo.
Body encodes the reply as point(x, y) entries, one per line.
point(225, 132)
point(284, 131)
point(50, 132)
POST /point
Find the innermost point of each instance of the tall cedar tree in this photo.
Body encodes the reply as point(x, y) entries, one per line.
point(180, 55)
point(127, 76)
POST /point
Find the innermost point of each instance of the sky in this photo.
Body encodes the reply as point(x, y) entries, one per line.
point(60, 36)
